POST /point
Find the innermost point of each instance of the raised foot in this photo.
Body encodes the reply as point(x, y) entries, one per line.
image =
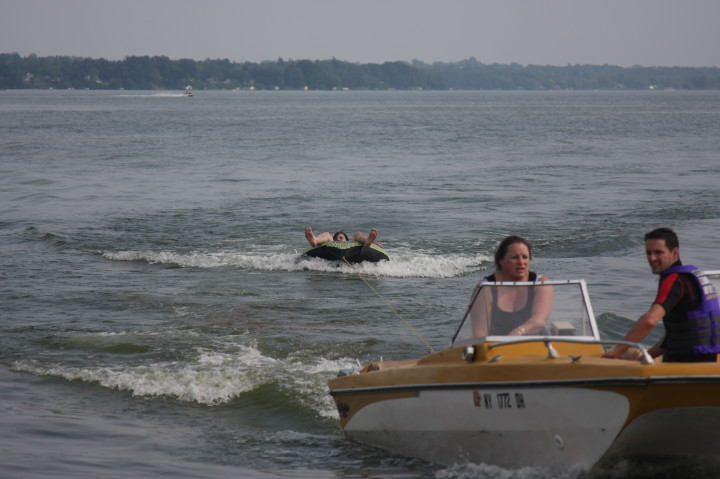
point(371, 237)
point(310, 237)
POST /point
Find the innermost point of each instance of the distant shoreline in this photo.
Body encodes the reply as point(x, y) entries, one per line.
point(162, 73)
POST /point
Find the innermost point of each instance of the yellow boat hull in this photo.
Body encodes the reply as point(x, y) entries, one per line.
point(526, 408)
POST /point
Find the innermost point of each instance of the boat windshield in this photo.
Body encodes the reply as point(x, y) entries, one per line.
point(714, 277)
point(506, 310)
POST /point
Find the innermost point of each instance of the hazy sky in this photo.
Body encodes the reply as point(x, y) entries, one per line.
point(540, 32)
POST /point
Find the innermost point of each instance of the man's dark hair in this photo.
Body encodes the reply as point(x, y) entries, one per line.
point(671, 239)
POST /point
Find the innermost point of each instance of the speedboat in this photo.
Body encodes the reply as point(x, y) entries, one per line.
point(539, 394)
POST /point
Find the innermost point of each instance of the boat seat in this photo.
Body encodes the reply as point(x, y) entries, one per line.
point(562, 328)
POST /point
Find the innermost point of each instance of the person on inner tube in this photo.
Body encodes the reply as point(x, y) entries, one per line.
point(365, 238)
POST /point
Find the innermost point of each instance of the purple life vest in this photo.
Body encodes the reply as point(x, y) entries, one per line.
point(700, 333)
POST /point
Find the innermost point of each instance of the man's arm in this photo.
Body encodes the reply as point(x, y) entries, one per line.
point(642, 328)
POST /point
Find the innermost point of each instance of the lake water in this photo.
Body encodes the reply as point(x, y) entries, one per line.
point(156, 320)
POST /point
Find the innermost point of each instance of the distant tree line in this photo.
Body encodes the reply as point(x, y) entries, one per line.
point(473, 75)
point(162, 73)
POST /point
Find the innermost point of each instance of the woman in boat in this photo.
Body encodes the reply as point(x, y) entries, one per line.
point(512, 311)
point(505, 311)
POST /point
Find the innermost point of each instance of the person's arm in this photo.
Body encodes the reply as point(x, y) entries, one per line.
point(657, 349)
point(381, 365)
point(639, 331)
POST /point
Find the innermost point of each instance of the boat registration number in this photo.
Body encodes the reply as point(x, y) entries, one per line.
point(499, 400)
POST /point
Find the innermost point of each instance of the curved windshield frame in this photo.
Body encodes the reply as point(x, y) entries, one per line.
point(500, 311)
point(714, 277)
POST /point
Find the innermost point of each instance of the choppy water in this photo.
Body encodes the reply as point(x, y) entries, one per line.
point(156, 320)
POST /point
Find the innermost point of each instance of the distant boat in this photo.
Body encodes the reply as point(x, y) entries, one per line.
point(188, 91)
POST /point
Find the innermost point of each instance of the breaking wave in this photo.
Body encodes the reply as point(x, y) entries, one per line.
point(405, 263)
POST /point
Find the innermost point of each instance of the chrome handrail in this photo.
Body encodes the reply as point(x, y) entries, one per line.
point(646, 358)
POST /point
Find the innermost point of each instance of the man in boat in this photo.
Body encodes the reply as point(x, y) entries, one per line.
point(359, 236)
point(687, 305)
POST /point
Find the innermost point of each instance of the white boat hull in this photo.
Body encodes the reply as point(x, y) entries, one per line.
point(692, 433)
point(554, 427)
